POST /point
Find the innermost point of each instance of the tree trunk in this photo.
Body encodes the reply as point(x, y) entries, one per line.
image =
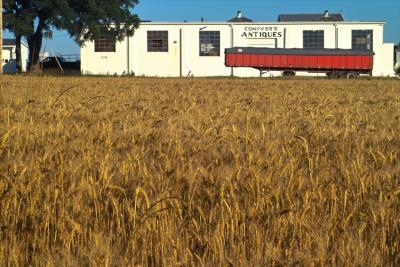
point(18, 53)
point(35, 45)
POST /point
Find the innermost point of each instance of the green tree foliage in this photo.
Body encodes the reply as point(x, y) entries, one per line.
point(18, 19)
point(83, 19)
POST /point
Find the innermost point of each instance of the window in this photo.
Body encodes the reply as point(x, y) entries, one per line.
point(105, 43)
point(157, 41)
point(362, 39)
point(313, 39)
point(209, 43)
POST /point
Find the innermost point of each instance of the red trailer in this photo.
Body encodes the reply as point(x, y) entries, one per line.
point(334, 62)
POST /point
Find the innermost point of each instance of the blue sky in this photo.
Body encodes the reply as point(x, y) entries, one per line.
point(258, 10)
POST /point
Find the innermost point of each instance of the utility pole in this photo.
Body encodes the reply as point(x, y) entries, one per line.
point(1, 37)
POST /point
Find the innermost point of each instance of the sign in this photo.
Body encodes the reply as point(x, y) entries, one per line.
point(262, 32)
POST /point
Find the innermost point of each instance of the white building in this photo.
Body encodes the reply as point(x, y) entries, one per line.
point(171, 49)
point(9, 63)
point(43, 55)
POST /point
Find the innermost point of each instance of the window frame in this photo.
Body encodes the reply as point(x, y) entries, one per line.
point(161, 37)
point(358, 34)
point(211, 39)
point(105, 44)
point(314, 42)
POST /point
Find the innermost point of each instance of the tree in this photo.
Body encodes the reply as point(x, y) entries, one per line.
point(83, 19)
point(17, 19)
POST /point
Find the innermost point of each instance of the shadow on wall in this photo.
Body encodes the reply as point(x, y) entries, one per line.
point(10, 66)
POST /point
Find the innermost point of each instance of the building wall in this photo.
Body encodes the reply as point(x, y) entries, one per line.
point(383, 62)
point(104, 63)
point(196, 65)
point(183, 56)
point(242, 37)
point(24, 57)
point(9, 63)
point(155, 63)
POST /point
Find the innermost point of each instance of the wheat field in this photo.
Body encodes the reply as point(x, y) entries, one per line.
point(112, 171)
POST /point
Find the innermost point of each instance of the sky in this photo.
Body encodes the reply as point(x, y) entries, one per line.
point(257, 10)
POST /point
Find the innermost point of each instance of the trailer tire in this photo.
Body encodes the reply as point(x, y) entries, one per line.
point(351, 75)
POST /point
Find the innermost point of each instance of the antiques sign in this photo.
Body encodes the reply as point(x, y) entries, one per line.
point(261, 32)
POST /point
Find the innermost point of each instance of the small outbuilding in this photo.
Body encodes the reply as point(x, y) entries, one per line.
point(9, 63)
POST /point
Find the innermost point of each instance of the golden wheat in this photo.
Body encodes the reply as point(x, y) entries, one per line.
point(199, 172)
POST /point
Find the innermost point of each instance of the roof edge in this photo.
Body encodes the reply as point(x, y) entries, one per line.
point(4, 45)
point(260, 22)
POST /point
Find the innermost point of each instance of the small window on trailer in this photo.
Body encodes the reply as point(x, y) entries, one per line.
point(362, 39)
point(157, 41)
point(210, 43)
point(104, 43)
point(313, 39)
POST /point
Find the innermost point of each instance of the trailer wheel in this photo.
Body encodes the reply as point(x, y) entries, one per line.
point(351, 75)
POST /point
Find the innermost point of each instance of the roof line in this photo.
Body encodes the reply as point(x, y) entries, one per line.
point(12, 39)
point(23, 43)
point(310, 13)
point(262, 22)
